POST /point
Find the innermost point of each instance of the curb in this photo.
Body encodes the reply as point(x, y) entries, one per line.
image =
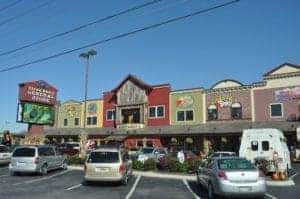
point(149, 174)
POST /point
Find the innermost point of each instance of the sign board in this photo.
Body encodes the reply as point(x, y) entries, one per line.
point(185, 101)
point(224, 100)
point(35, 113)
point(287, 94)
point(37, 92)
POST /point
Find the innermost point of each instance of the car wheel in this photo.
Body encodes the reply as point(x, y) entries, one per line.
point(125, 180)
point(64, 166)
point(44, 170)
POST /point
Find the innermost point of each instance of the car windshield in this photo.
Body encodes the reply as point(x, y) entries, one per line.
point(24, 152)
point(3, 149)
point(235, 164)
point(147, 150)
point(104, 157)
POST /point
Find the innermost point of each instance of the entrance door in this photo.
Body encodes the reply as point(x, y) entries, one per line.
point(130, 116)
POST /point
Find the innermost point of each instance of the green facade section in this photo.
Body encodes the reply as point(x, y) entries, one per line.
point(185, 102)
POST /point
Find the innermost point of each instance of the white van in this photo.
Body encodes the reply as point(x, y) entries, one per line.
point(269, 144)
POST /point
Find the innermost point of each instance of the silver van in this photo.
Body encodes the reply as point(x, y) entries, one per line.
point(109, 164)
point(36, 159)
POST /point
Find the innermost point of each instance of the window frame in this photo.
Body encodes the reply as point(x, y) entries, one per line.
point(156, 111)
point(251, 146)
point(76, 119)
point(263, 146)
point(65, 121)
point(270, 110)
point(184, 117)
point(241, 110)
point(113, 115)
point(91, 120)
point(208, 117)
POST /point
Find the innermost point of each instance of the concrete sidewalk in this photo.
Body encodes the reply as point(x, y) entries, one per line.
point(178, 176)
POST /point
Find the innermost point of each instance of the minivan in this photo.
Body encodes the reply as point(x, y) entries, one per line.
point(36, 159)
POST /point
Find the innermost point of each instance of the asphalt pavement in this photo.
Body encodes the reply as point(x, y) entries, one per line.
point(69, 185)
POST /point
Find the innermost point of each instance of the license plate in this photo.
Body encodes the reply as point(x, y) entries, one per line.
point(245, 189)
point(101, 170)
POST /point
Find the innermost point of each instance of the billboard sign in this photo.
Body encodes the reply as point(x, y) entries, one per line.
point(37, 92)
point(35, 113)
point(287, 94)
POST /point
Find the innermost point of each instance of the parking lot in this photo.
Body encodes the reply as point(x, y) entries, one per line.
point(69, 184)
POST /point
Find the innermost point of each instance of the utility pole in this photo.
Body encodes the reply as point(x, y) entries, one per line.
point(87, 56)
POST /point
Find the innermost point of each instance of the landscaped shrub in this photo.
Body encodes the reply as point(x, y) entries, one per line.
point(194, 165)
point(149, 165)
point(75, 160)
point(175, 166)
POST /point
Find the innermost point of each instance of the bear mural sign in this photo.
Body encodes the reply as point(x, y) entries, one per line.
point(36, 103)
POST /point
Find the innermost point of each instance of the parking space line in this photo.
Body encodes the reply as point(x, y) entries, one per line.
point(133, 187)
point(41, 179)
point(189, 188)
point(74, 187)
point(293, 176)
point(3, 176)
point(270, 196)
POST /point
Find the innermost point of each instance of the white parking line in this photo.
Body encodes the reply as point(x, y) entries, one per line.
point(133, 187)
point(270, 196)
point(292, 177)
point(3, 176)
point(74, 187)
point(189, 188)
point(41, 179)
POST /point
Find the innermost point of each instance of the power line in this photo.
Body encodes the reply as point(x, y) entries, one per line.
point(10, 5)
point(81, 27)
point(24, 13)
point(120, 36)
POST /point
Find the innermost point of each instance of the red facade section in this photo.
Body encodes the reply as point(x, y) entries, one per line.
point(159, 96)
point(138, 142)
point(109, 103)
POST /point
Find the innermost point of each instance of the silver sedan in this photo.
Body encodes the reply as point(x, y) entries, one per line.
point(231, 176)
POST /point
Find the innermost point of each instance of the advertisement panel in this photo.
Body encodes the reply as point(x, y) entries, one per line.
point(35, 113)
point(37, 92)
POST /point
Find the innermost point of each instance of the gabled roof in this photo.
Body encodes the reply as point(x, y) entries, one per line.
point(71, 101)
point(136, 81)
point(292, 66)
point(229, 82)
point(42, 83)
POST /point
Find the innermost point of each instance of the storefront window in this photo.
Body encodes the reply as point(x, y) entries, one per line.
point(236, 111)
point(65, 122)
point(180, 115)
point(276, 110)
point(156, 111)
point(212, 112)
point(76, 121)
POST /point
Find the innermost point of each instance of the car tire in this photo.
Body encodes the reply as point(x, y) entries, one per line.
point(64, 165)
point(44, 170)
point(210, 192)
point(125, 179)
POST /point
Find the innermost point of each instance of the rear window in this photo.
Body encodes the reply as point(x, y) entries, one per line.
point(24, 152)
point(234, 164)
point(104, 157)
point(145, 150)
point(254, 145)
point(265, 145)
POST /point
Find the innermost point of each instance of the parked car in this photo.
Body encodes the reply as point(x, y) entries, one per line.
point(110, 164)
point(231, 176)
point(5, 155)
point(151, 153)
point(222, 154)
point(36, 159)
point(266, 144)
point(70, 148)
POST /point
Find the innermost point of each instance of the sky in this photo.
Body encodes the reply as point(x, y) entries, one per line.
point(241, 41)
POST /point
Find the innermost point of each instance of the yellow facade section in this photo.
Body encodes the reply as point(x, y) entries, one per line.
point(69, 114)
point(94, 114)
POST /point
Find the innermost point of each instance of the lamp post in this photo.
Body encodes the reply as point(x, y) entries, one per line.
point(87, 56)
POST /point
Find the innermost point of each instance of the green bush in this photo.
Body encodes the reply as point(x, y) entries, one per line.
point(194, 165)
point(175, 166)
point(75, 160)
point(148, 165)
point(137, 165)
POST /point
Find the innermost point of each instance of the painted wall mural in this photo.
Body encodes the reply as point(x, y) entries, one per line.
point(224, 100)
point(287, 94)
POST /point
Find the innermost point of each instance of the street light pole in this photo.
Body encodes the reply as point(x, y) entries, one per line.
point(87, 56)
